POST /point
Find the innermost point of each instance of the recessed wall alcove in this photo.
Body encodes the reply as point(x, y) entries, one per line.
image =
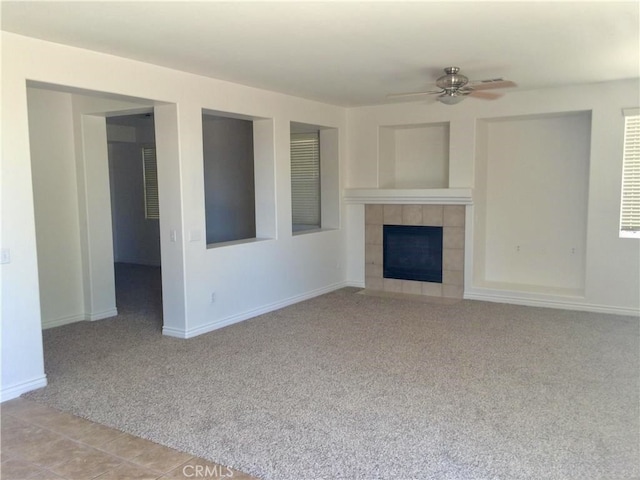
point(414, 156)
point(531, 203)
point(238, 166)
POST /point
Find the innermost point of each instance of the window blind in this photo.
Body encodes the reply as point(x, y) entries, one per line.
point(150, 173)
point(630, 210)
point(305, 179)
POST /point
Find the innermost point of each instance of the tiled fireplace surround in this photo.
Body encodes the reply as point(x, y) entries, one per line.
point(450, 217)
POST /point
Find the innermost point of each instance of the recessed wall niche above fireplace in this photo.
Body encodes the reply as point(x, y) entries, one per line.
point(449, 218)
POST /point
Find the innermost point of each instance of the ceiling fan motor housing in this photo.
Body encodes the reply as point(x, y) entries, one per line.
point(452, 80)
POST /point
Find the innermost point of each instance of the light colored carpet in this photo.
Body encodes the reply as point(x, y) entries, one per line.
point(348, 386)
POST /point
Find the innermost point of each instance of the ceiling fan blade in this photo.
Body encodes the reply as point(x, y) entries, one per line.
point(491, 84)
point(485, 95)
point(413, 94)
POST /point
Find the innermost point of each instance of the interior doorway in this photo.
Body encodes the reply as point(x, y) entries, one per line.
point(135, 215)
point(73, 134)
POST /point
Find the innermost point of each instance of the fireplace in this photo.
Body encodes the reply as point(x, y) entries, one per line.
point(450, 219)
point(412, 252)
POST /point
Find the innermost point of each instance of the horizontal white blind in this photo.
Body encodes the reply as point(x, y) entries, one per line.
point(630, 211)
point(151, 196)
point(305, 179)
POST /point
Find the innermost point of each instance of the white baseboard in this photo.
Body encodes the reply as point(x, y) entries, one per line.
point(112, 312)
point(173, 332)
point(354, 284)
point(209, 327)
point(14, 391)
point(58, 322)
point(502, 296)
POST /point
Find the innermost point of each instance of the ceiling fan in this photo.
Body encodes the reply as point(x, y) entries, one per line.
point(455, 87)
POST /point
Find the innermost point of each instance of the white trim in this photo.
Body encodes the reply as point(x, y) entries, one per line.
point(356, 284)
point(58, 322)
point(428, 196)
point(112, 312)
point(91, 317)
point(630, 112)
point(209, 327)
point(503, 296)
point(173, 332)
point(14, 391)
point(630, 234)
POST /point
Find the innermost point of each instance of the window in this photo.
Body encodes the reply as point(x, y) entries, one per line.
point(630, 205)
point(315, 178)
point(305, 180)
point(150, 175)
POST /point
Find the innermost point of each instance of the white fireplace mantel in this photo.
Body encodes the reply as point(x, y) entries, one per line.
point(419, 196)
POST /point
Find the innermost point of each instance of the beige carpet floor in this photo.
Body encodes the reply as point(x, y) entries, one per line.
point(349, 386)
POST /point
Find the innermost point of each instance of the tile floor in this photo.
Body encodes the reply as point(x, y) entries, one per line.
point(39, 442)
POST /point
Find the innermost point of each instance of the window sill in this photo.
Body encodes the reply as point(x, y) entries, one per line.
point(236, 242)
point(312, 230)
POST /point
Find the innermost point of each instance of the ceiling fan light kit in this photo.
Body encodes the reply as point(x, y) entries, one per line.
point(455, 87)
point(450, 98)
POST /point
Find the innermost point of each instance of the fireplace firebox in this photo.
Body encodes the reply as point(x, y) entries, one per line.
point(412, 252)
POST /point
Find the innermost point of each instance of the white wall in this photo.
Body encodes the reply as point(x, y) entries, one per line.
point(22, 359)
point(611, 264)
point(248, 279)
point(55, 192)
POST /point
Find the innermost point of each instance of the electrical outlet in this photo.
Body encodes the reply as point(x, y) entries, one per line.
point(213, 297)
point(5, 255)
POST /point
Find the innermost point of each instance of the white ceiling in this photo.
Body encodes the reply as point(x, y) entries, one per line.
point(351, 53)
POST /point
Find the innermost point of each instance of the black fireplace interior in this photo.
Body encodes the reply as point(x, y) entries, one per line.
point(412, 253)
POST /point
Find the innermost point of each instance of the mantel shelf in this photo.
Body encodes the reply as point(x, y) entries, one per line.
point(425, 196)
